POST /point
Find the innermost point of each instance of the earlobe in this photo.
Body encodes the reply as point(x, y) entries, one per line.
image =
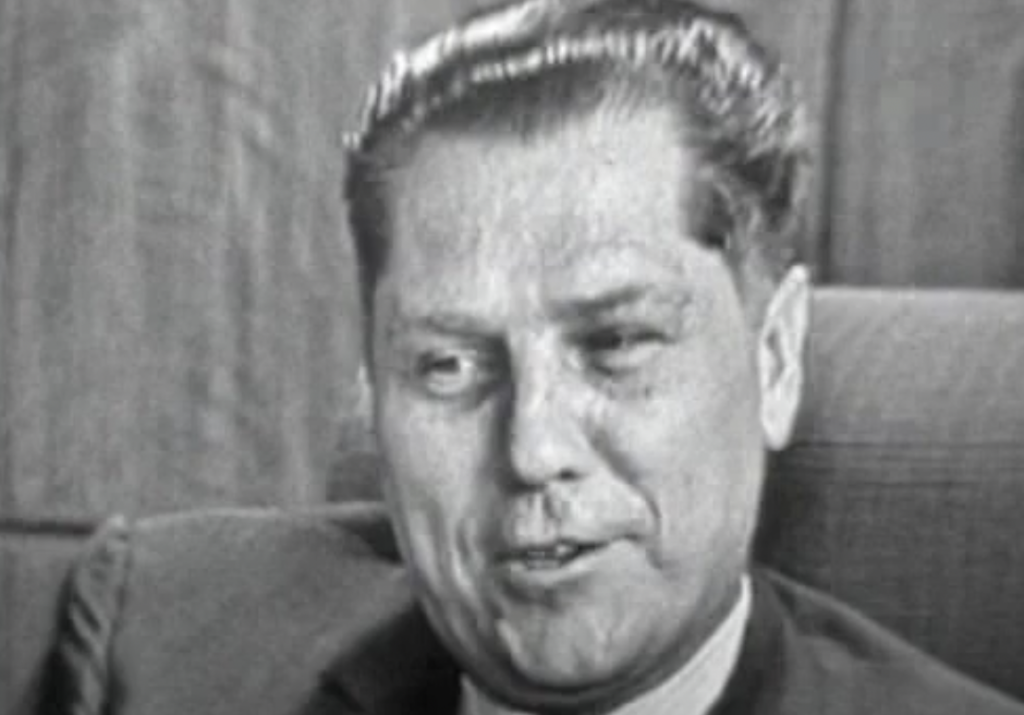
point(780, 356)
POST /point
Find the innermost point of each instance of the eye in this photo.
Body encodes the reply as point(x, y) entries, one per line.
point(451, 373)
point(620, 348)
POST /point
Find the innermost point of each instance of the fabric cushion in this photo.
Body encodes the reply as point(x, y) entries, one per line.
point(903, 491)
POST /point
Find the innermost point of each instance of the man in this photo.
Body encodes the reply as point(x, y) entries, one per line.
point(576, 224)
point(585, 329)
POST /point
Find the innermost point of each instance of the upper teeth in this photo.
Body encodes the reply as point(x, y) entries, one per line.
point(557, 552)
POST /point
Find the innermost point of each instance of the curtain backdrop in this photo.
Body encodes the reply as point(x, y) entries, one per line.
point(178, 323)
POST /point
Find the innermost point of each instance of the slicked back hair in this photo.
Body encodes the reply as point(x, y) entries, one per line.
point(527, 68)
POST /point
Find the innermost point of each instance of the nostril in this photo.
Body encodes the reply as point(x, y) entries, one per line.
point(567, 475)
point(539, 477)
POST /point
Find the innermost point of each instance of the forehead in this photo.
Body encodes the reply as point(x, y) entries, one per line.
point(596, 201)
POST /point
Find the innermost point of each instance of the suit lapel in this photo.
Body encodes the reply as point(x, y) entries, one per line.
point(757, 680)
point(398, 668)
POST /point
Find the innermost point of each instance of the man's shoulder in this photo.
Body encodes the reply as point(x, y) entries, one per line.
point(836, 660)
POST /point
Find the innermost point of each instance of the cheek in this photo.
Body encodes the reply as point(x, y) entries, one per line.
point(432, 487)
point(691, 448)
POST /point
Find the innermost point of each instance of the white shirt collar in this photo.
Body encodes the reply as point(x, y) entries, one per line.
point(693, 689)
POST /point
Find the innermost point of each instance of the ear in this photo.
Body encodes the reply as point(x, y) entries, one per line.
point(780, 356)
point(362, 410)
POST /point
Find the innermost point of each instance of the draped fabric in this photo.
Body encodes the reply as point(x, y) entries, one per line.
point(178, 320)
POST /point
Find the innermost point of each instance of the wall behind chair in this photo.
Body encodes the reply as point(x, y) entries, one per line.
point(178, 323)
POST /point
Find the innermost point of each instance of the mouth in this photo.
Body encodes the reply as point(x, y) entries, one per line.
point(542, 568)
point(547, 557)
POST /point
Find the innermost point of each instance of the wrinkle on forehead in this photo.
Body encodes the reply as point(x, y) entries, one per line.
point(563, 210)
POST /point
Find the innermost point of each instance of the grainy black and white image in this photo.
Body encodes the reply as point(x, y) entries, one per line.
point(511, 357)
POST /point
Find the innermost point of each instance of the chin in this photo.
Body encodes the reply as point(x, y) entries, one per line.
point(548, 684)
point(559, 674)
point(556, 660)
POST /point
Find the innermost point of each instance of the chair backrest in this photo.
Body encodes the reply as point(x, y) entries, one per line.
point(903, 491)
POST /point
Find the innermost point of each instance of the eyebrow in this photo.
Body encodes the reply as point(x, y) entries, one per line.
point(618, 298)
point(442, 322)
point(569, 309)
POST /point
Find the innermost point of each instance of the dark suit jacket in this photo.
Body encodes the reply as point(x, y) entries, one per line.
point(248, 613)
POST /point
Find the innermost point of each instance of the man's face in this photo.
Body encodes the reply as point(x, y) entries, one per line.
point(569, 402)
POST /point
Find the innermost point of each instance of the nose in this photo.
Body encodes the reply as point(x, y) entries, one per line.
point(546, 437)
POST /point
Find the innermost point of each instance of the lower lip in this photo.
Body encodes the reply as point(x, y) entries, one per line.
point(529, 580)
